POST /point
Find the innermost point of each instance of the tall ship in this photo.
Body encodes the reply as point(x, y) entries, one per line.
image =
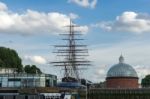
point(72, 55)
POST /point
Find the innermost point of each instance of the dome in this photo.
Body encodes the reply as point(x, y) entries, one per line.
point(121, 70)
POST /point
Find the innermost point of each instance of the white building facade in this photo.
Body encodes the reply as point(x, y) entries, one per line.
point(9, 78)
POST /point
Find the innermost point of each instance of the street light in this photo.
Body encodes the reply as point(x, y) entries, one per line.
point(86, 90)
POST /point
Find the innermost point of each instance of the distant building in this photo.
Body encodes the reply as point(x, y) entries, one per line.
point(122, 75)
point(98, 85)
point(7, 70)
point(9, 78)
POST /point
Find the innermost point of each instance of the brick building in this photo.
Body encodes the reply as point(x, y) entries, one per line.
point(122, 75)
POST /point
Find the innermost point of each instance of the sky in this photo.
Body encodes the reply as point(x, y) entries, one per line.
point(110, 28)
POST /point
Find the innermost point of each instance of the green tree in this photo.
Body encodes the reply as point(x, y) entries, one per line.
point(146, 81)
point(32, 69)
point(9, 59)
point(27, 68)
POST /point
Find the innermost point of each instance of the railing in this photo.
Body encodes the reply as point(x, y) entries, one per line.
point(141, 93)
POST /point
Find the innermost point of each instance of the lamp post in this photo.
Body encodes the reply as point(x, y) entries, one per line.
point(86, 90)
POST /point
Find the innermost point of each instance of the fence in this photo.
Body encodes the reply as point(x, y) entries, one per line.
point(119, 93)
point(22, 97)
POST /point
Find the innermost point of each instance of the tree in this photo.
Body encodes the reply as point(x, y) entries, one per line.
point(32, 69)
point(27, 68)
point(9, 59)
point(146, 81)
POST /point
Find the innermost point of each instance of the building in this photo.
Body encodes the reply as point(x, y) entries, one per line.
point(9, 78)
point(7, 70)
point(122, 75)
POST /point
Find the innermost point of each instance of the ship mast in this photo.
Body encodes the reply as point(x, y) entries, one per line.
point(72, 53)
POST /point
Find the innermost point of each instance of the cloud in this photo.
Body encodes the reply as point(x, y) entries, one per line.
point(85, 3)
point(73, 16)
point(36, 59)
point(3, 6)
point(93, 3)
point(34, 22)
point(142, 71)
point(128, 22)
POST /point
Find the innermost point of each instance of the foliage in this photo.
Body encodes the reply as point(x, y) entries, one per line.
point(10, 59)
point(32, 69)
point(146, 81)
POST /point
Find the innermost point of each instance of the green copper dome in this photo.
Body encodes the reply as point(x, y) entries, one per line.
point(121, 70)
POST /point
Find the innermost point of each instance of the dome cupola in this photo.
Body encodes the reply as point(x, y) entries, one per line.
point(121, 59)
point(122, 75)
point(121, 69)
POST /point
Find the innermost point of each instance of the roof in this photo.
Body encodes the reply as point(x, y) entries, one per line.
point(121, 70)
